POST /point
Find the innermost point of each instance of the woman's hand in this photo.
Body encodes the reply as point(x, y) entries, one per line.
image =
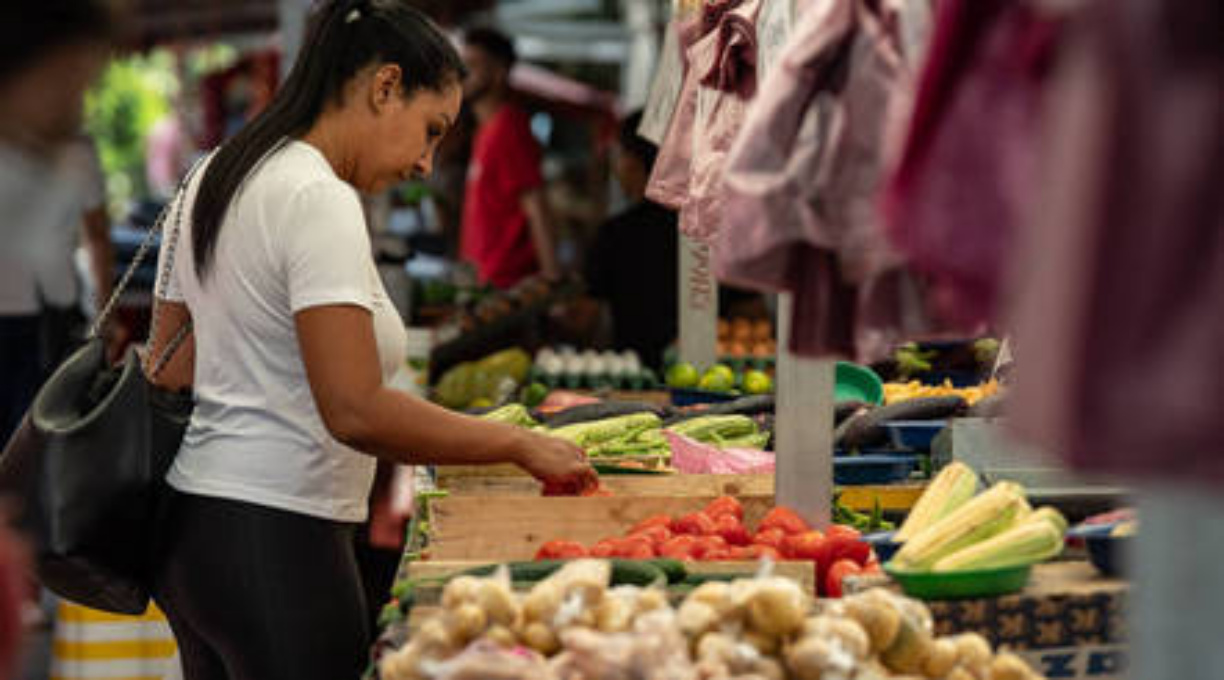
point(554, 461)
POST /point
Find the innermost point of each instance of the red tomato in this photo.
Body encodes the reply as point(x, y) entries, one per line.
point(784, 519)
point(603, 549)
point(725, 505)
point(732, 530)
point(696, 524)
point(708, 545)
point(809, 545)
point(844, 547)
point(837, 572)
point(843, 530)
point(655, 534)
point(760, 552)
point(770, 537)
point(560, 550)
point(656, 521)
point(633, 548)
point(679, 548)
point(742, 553)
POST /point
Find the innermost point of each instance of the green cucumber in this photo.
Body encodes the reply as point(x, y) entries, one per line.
point(519, 571)
point(637, 573)
point(673, 569)
point(699, 579)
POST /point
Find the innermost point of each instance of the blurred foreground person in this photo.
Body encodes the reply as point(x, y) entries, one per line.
point(1120, 324)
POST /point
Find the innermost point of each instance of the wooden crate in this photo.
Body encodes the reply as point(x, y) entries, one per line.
point(512, 528)
point(622, 485)
point(893, 498)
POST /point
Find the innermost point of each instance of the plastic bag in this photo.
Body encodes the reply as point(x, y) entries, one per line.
point(487, 661)
point(693, 457)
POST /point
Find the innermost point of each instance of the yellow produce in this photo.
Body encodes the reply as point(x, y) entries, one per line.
point(1051, 515)
point(990, 513)
point(951, 488)
point(1028, 542)
point(897, 392)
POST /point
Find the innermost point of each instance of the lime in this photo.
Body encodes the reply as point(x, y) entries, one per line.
point(723, 371)
point(534, 393)
point(717, 381)
point(757, 382)
point(682, 375)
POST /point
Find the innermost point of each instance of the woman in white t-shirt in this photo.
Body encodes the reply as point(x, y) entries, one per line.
point(294, 341)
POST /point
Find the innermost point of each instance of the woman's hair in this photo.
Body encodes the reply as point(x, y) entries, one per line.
point(342, 38)
point(29, 30)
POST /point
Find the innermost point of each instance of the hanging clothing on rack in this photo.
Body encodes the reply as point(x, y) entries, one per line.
point(720, 57)
point(968, 170)
point(802, 182)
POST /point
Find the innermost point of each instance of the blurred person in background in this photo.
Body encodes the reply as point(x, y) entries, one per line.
point(72, 293)
point(50, 53)
point(642, 298)
point(507, 229)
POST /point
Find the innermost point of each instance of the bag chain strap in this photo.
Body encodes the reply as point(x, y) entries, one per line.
point(164, 276)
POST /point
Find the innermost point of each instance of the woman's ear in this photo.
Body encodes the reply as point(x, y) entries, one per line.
point(387, 83)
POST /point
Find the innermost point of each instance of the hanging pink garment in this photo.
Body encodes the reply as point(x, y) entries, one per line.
point(725, 62)
point(802, 181)
point(1120, 321)
point(669, 181)
point(968, 167)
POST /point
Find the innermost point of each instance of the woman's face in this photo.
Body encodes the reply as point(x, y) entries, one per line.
point(407, 131)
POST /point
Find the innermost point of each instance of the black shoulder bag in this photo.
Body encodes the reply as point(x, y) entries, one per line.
point(87, 464)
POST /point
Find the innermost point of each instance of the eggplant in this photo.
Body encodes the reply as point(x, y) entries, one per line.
point(925, 408)
point(844, 409)
point(859, 431)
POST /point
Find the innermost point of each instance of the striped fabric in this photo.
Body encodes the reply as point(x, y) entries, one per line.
point(94, 645)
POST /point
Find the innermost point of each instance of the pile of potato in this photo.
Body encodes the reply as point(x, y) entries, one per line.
point(573, 626)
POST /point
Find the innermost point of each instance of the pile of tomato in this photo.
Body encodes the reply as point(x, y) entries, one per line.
point(718, 533)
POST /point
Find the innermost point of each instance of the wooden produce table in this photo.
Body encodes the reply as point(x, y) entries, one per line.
point(509, 481)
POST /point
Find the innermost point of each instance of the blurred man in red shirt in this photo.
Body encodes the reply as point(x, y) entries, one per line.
point(506, 229)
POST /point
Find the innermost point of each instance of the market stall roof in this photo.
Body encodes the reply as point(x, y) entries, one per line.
point(156, 21)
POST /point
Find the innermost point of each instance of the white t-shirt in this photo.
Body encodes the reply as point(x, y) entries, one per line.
point(294, 237)
point(42, 202)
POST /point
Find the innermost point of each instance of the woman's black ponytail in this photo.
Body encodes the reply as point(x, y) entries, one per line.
point(342, 38)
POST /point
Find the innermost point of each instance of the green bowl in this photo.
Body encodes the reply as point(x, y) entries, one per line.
point(958, 585)
point(857, 383)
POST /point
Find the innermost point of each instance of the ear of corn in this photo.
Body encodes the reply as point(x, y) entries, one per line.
point(1029, 542)
point(1050, 515)
point(951, 488)
point(993, 512)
